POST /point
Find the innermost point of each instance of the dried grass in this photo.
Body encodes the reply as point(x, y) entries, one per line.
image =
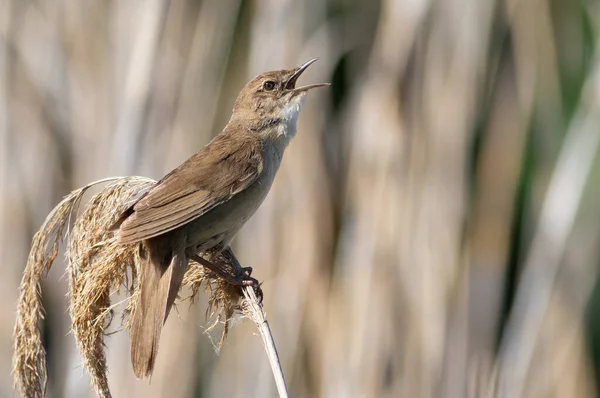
point(97, 268)
point(29, 358)
point(97, 264)
point(224, 298)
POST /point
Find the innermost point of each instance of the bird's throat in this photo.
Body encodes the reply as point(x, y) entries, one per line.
point(289, 116)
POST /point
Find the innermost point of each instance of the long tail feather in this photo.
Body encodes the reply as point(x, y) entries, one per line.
point(159, 287)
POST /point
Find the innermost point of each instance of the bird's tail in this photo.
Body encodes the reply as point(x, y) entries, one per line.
point(159, 285)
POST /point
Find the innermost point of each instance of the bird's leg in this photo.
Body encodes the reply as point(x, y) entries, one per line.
point(245, 280)
point(226, 256)
point(226, 266)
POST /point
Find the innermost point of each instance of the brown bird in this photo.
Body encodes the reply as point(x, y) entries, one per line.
point(205, 201)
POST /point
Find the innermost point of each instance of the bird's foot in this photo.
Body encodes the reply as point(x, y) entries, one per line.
point(246, 280)
point(242, 279)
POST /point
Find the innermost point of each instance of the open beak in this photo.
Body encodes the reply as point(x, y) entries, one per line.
point(291, 82)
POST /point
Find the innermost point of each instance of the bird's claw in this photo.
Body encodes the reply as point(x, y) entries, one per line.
point(247, 280)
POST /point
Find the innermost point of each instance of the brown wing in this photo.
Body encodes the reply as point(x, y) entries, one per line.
point(226, 166)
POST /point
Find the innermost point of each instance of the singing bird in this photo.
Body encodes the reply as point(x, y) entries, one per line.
point(205, 201)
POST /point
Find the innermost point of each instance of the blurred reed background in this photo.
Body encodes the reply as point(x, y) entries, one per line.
point(433, 231)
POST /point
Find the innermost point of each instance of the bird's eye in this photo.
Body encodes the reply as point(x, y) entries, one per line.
point(269, 85)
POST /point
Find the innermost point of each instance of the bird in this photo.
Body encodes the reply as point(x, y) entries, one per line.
point(204, 202)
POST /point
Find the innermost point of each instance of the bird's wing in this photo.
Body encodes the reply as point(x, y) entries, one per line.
point(226, 166)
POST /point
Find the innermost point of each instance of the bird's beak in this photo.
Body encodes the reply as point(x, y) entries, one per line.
point(291, 82)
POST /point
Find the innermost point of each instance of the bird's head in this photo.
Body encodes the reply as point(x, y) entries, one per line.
point(272, 98)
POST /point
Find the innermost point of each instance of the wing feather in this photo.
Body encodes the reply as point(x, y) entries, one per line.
point(226, 166)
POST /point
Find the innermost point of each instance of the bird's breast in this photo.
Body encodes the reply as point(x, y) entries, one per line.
point(221, 224)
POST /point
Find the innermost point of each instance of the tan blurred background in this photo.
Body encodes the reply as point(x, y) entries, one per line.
point(433, 231)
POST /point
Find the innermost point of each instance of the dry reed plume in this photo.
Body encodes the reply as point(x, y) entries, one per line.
point(97, 268)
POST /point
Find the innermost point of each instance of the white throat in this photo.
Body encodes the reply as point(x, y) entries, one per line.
point(290, 115)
